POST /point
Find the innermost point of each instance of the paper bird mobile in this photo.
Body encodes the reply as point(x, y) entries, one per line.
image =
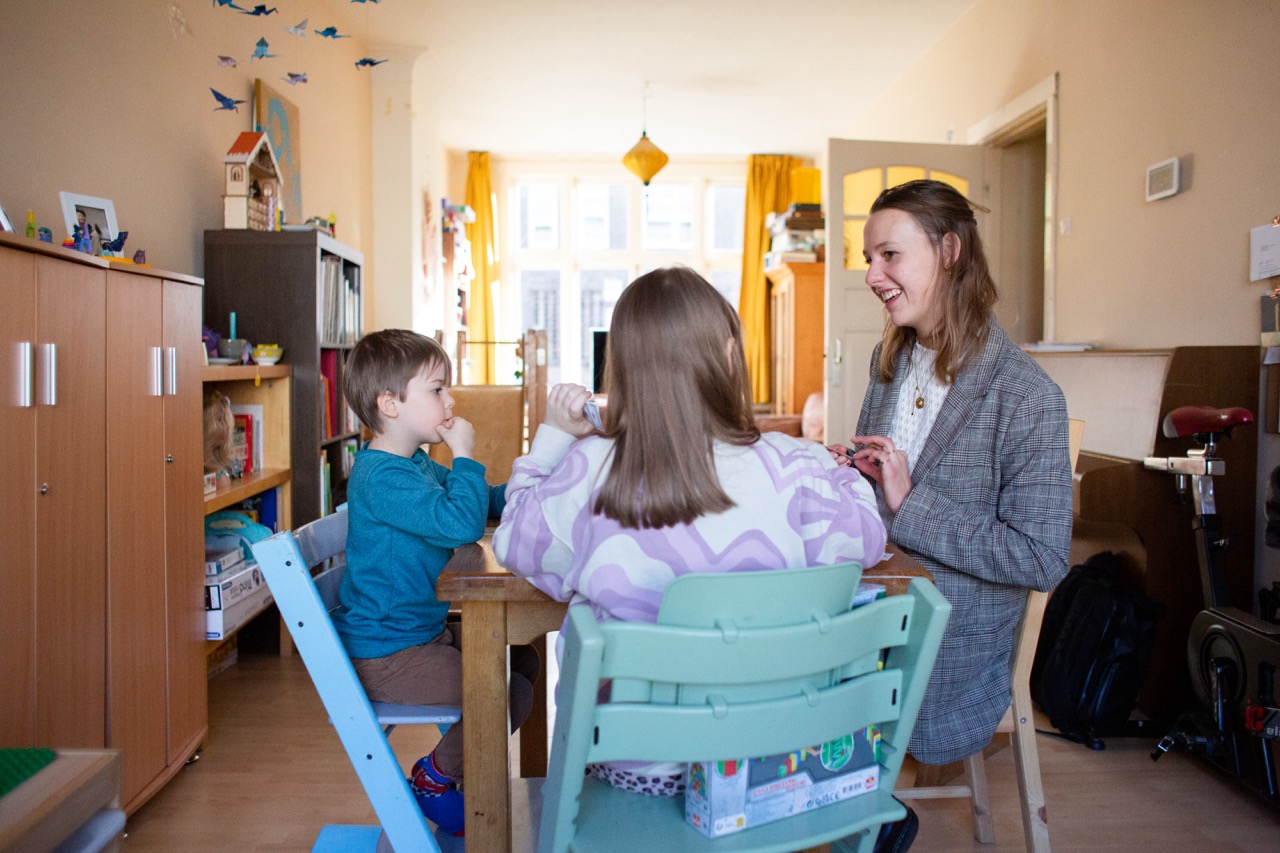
point(366, 1)
point(117, 244)
point(227, 61)
point(227, 103)
point(331, 33)
point(260, 52)
point(298, 29)
point(229, 4)
point(259, 10)
point(367, 62)
point(294, 79)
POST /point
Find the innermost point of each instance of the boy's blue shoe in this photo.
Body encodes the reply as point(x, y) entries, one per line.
point(439, 799)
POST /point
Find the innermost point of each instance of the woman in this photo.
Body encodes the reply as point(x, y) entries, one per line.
point(966, 439)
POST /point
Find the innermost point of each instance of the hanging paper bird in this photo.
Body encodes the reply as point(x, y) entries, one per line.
point(115, 245)
point(260, 52)
point(229, 4)
point(367, 62)
point(227, 103)
point(259, 10)
point(366, 1)
point(298, 29)
point(294, 79)
point(227, 61)
point(331, 33)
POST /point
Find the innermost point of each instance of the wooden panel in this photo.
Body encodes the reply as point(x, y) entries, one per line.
point(183, 524)
point(797, 303)
point(136, 665)
point(71, 516)
point(497, 412)
point(17, 500)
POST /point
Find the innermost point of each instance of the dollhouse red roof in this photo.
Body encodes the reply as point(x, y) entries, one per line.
point(246, 147)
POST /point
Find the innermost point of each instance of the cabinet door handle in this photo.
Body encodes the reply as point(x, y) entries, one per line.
point(156, 389)
point(25, 380)
point(48, 370)
point(171, 371)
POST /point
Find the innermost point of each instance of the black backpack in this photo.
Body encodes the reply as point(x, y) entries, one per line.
point(1094, 652)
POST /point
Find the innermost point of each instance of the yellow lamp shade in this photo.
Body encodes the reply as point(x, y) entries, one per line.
point(645, 159)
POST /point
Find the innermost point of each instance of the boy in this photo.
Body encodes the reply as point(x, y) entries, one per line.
point(406, 515)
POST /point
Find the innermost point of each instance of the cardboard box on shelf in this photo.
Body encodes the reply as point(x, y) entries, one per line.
point(220, 624)
point(226, 588)
point(730, 796)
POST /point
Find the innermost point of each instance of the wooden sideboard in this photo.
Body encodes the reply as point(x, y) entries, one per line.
point(796, 300)
point(102, 616)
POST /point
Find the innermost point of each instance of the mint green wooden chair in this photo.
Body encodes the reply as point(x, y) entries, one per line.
point(305, 602)
point(740, 665)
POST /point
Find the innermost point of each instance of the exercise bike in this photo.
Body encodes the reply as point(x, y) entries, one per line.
point(1233, 655)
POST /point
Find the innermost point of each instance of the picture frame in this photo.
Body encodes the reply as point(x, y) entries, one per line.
point(98, 212)
point(280, 120)
point(5, 224)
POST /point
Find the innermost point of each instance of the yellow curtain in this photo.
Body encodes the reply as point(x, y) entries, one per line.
point(768, 191)
point(483, 234)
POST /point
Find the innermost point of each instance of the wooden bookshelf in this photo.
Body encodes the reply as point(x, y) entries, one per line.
point(301, 290)
point(246, 487)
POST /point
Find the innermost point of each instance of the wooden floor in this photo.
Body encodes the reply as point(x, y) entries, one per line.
point(272, 773)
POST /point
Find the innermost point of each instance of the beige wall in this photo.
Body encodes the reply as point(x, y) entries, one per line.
point(112, 100)
point(1139, 81)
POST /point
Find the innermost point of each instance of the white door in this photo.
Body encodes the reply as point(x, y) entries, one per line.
point(856, 173)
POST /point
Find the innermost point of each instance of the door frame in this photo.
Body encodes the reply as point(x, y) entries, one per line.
point(1036, 107)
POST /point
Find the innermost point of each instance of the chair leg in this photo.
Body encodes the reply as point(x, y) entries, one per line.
point(1035, 819)
point(980, 803)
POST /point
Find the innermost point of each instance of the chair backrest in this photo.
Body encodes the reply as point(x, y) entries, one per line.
point(286, 560)
point(716, 691)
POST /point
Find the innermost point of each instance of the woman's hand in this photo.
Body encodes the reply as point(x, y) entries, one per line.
point(884, 464)
point(564, 410)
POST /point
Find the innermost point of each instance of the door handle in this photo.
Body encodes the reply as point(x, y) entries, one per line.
point(154, 363)
point(48, 371)
point(171, 371)
point(25, 379)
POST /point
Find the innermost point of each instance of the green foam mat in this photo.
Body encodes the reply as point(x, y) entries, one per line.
point(18, 765)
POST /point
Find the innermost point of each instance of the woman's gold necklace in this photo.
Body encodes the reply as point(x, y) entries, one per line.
point(915, 381)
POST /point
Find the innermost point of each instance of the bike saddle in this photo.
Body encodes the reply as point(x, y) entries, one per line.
point(1192, 420)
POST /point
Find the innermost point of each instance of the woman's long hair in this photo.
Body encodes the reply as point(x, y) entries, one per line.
point(965, 293)
point(676, 380)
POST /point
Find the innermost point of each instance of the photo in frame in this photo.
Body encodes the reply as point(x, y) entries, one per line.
point(279, 118)
point(99, 214)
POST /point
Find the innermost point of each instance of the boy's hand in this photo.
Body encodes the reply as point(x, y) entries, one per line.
point(459, 436)
point(564, 409)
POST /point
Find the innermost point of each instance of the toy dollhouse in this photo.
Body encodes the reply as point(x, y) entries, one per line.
point(254, 184)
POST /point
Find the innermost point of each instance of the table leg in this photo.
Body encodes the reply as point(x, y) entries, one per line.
point(533, 734)
point(485, 744)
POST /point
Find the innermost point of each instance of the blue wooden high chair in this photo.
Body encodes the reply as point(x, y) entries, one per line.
point(741, 664)
point(305, 603)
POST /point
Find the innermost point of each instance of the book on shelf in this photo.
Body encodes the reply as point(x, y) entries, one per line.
point(226, 588)
point(261, 508)
point(219, 624)
point(331, 391)
point(326, 486)
point(340, 298)
point(253, 433)
point(350, 447)
point(242, 441)
point(219, 560)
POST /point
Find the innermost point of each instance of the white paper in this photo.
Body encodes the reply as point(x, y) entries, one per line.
point(1264, 252)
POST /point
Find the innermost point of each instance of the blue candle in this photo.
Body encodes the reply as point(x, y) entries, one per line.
point(233, 325)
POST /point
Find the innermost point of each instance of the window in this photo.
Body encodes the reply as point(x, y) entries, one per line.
point(582, 230)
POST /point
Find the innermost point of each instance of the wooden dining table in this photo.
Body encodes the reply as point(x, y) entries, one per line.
point(499, 609)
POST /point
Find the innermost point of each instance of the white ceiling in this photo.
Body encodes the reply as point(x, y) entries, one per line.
point(726, 77)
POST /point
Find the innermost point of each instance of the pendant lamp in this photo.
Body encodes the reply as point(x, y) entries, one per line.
point(645, 159)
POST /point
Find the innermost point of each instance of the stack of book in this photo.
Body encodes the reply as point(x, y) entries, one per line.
point(797, 235)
